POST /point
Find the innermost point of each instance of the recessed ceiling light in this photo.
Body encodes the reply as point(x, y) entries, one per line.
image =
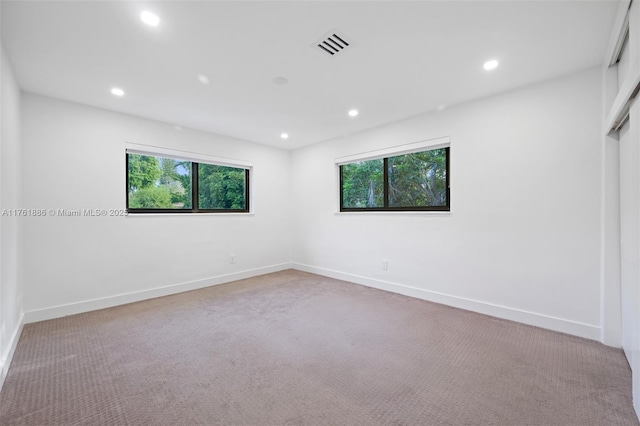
point(203, 79)
point(149, 18)
point(284, 136)
point(441, 107)
point(353, 113)
point(116, 91)
point(489, 65)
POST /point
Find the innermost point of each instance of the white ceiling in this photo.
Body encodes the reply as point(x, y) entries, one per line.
point(406, 58)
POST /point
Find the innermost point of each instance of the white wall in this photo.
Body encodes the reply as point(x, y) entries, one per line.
point(522, 240)
point(10, 281)
point(74, 158)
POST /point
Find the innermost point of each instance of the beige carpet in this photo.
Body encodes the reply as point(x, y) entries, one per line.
point(293, 348)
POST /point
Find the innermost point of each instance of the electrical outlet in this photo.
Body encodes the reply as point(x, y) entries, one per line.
point(232, 258)
point(385, 264)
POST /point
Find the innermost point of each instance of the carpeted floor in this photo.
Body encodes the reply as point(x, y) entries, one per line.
point(293, 348)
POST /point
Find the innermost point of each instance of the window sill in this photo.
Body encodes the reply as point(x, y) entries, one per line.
point(187, 214)
point(407, 213)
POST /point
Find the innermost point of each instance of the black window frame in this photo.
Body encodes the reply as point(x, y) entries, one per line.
point(386, 207)
point(194, 190)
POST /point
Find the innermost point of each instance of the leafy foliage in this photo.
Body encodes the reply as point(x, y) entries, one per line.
point(144, 170)
point(419, 179)
point(414, 180)
point(165, 183)
point(151, 197)
point(221, 187)
point(184, 179)
point(362, 184)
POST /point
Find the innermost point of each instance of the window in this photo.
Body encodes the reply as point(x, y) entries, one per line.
point(158, 184)
point(415, 181)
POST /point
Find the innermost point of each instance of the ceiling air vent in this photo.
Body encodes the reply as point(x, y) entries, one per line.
point(332, 43)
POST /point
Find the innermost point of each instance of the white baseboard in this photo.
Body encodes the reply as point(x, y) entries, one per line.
point(525, 317)
point(122, 299)
point(5, 359)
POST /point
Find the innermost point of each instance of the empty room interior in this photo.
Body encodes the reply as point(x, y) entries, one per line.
point(320, 212)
